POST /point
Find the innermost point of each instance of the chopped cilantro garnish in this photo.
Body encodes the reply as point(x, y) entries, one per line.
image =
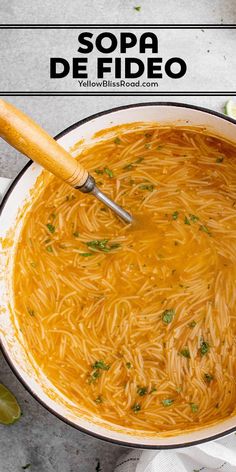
point(117, 140)
point(128, 365)
point(128, 167)
point(131, 165)
point(70, 197)
point(114, 245)
point(219, 160)
point(185, 352)
point(142, 391)
point(49, 249)
point(192, 324)
point(208, 378)
point(205, 229)
point(194, 407)
point(167, 402)
point(139, 160)
point(147, 146)
point(193, 218)
point(24, 467)
point(204, 348)
point(108, 172)
point(153, 389)
point(99, 171)
point(149, 187)
point(178, 389)
point(51, 228)
point(167, 315)
point(137, 8)
point(186, 221)
point(30, 311)
point(175, 215)
point(94, 376)
point(136, 407)
point(76, 234)
point(100, 365)
point(101, 245)
point(98, 399)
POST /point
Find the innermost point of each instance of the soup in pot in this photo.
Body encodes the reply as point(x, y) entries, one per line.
point(137, 324)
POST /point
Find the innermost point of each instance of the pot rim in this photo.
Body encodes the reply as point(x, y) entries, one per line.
point(137, 445)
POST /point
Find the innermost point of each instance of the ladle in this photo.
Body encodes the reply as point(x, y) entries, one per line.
point(22, 133)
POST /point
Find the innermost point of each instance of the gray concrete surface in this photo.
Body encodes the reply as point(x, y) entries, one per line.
point(47, 443)
point(39, 438)
point(118, 11)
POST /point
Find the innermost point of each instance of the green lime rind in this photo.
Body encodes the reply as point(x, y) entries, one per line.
point(230, 109)
point(9, 408)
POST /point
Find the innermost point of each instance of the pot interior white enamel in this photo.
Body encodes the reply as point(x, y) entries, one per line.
point(14, 351)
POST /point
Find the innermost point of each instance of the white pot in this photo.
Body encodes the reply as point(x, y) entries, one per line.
point(14, 200)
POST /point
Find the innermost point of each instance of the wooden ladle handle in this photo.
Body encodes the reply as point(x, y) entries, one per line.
point(29, 138)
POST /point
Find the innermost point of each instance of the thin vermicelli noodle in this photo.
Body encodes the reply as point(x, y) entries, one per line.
point(137, 324)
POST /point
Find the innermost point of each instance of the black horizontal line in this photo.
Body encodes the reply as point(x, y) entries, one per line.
point(122, 91)
point(118, 26)
point(104, 94)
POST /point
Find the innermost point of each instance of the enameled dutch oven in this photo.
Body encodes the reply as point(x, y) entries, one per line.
point(14, 201)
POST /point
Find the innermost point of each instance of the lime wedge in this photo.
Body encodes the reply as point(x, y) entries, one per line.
point(9, 409)
point(230, 109)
